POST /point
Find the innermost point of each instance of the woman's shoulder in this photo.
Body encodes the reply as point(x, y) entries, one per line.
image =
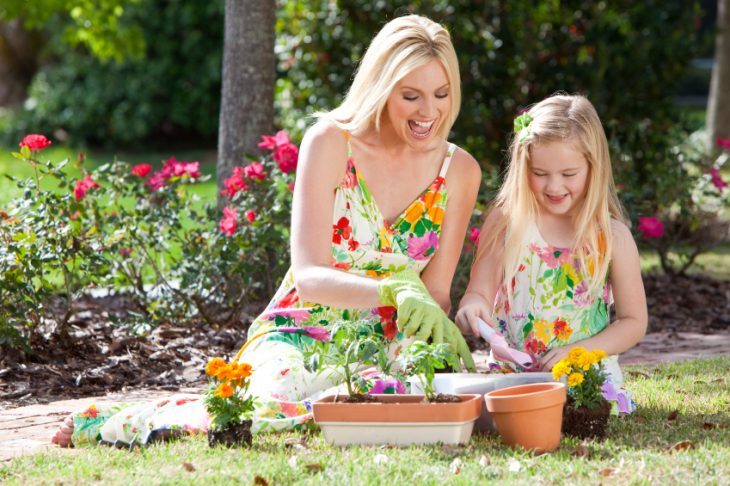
point(465, 166)
point(325, 144)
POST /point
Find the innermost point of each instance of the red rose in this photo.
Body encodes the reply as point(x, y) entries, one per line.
point(235, 183)
point(141, 170)
point(287, 156)
point(250, 215)
point(270, 143)
point(474, 234)
point(255, 170)
point(83, 186)
point(35, 142)
point(650, 227)
point(228, 223)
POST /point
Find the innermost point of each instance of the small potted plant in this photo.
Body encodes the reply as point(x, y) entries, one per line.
point(421, 360)
point(586, 410)
point(390, 418)
point(227, 404)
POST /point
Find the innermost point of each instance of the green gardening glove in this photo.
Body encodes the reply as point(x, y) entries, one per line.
point(419, 314)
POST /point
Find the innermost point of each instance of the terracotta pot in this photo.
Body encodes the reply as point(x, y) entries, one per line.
point(233, 435)
point(528, 415)
point(586, 423)
point(397, 420)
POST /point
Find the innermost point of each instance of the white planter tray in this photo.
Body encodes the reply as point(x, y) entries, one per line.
point(393, 433)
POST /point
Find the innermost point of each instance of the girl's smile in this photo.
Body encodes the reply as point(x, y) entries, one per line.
point(558, 176)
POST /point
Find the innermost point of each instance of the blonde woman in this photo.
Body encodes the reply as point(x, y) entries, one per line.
point(380, 210)
point(555, 248)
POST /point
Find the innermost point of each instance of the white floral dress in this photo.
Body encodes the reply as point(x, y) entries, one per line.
point(551, 305)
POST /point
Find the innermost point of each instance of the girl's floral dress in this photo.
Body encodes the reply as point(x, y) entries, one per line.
point(551, 305)
point(364, 243)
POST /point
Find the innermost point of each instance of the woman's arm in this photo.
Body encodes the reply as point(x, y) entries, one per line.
point(629, 298)
point(321, 167)
point(484, 280)
point(462, 183)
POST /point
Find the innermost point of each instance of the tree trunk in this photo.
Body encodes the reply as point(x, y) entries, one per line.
point(19, 49)
point(718, 105)
point(249, 74)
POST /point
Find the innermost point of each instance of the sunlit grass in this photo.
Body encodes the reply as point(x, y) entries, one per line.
point(638, 450)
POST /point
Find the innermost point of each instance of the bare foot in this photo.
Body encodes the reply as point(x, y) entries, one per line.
point(62, 437)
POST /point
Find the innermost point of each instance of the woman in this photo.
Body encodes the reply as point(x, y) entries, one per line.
point(380, 210)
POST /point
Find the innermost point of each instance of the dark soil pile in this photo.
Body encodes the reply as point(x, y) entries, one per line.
point(98, 357)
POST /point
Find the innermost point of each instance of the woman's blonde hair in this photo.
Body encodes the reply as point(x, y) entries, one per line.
point(402, 45)
point(559, 118)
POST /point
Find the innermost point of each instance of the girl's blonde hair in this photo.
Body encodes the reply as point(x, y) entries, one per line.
point(570, 119)
point(402, 45)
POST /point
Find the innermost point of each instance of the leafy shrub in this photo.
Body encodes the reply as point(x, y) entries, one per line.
point(691, 215)
point(140, 231)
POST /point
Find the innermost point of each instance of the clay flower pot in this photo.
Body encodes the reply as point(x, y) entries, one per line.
point(528, 415)
point(586, 423)
point(397, 420)
point(233, 435)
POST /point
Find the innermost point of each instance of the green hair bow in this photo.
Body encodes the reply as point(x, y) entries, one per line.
point(522, 125)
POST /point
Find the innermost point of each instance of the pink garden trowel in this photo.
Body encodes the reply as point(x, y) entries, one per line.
point(501, 349)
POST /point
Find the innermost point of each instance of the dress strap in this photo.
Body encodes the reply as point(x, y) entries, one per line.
point(447, 160)
point(347, 139)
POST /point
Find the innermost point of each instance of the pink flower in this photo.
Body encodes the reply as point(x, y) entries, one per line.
point(235, 183)
point(270, 143)
point(156, 182)
point(717, 178)
point(650, 227)
point(554, 257)
point(287, 156)
point(35, 142)
point(315, 332)
point(474, 234)
point(423, 247)
point(723, 143)
point(125, 252)
point(192, 169)
point(290, 186)
point(228, 223)
point(389, 386)
point(141, 170)
point(174, 168)
point(83, 186)
point(255, 170)
point(250, 215)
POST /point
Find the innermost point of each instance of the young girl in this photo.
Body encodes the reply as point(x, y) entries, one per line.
point(555, 250)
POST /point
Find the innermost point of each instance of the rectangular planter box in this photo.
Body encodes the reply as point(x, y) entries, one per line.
point(397, 420)
point(482, 383)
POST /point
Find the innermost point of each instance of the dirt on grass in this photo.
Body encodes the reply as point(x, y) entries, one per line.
point(99, 357)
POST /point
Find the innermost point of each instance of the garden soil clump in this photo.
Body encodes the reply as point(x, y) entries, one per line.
point(99, 357)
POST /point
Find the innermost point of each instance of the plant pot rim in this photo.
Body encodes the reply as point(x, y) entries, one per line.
point(526, 397)
point(398, 409)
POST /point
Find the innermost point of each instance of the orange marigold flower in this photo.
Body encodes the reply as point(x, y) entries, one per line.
point(225, 390)
point(214, 367)
point(244, 370)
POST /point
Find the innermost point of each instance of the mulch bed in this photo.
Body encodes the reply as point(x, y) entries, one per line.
point(98, 357)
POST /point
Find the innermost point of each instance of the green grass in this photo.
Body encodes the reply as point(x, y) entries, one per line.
point(715, 263)
point(636, 451)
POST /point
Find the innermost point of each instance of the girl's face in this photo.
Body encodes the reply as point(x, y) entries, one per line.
point(419, 104)
point(558, 176)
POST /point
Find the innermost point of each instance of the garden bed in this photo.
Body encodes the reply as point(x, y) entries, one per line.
point(98, 357)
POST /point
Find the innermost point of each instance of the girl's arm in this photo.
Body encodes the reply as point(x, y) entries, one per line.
point(485, 279)
point(629, 298)
point(462, 182)
point(321, 167)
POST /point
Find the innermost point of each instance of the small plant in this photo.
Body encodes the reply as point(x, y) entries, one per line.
point(423, 359)
point(225, 399)
point(585, 376)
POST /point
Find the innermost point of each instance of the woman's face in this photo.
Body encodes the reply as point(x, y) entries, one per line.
point(419, 104)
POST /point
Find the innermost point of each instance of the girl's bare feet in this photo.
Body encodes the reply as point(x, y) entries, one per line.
point(62, 437)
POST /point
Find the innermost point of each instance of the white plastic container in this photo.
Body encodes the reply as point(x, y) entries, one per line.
point(481, 383)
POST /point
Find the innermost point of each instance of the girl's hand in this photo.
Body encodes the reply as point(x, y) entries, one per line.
point(469, 312)
point(551, 358)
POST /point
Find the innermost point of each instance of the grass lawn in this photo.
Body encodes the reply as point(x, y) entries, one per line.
point(656, 445)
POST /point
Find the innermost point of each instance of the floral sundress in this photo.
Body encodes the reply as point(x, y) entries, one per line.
point(551, 305)
point(363, 243)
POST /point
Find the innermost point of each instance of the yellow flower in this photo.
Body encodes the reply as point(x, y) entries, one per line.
point(570, 272)
point(575, 356)
point(543, 330)
point(599, 354)
point(215, 366)
point(561, 368)
point(575, 379)
point(224, 390)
